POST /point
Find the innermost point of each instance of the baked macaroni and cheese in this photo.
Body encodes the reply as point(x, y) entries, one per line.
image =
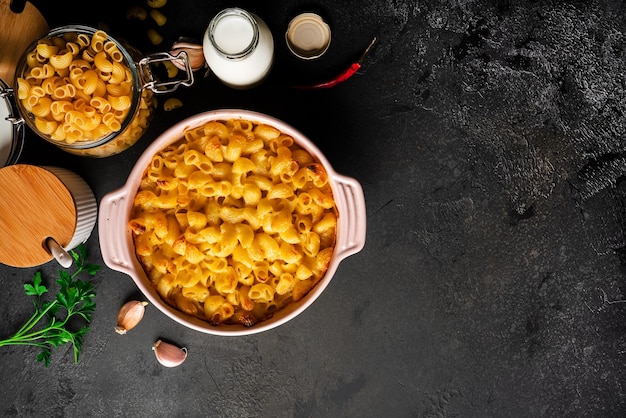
point(233, 222)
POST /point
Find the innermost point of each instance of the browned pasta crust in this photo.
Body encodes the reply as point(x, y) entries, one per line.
point(233, 222)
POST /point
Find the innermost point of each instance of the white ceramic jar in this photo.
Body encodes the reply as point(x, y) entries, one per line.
point(44, 213)
point(239, 48)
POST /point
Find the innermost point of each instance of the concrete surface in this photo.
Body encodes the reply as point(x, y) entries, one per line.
point(489, 140)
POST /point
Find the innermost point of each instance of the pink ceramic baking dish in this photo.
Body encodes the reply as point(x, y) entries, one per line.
point(117, 245)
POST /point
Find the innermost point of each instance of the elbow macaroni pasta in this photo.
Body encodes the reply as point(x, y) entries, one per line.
point(223, 231)
point(78, 89)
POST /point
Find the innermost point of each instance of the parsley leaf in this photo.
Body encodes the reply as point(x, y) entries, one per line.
point(75, 299)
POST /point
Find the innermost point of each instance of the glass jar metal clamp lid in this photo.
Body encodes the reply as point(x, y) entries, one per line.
point(11, 127)
point(239, 48)
point(89, 94)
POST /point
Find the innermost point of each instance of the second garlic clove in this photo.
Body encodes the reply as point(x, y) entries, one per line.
point(129, 315)
point(169, 355)
point(194, 52)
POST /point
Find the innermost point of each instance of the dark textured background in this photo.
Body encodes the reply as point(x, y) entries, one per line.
point(489, 140)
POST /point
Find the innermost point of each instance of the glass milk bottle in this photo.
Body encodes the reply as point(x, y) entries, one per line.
point(239, 48)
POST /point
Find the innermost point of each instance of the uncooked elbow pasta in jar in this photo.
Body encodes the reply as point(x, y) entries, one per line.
point(88, 94)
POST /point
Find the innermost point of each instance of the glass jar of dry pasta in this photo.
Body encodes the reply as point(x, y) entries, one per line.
point(89, 94)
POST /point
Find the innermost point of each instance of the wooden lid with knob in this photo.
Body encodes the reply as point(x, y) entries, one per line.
point(34, 205)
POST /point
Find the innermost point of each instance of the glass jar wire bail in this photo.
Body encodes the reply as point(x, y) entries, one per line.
point(148, 79)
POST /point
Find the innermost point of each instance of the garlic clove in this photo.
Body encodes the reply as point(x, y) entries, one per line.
point(129, 315)
point(194, 52)
point(169, 355)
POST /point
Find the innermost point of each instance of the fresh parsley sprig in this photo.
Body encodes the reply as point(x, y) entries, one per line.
point(74, 301)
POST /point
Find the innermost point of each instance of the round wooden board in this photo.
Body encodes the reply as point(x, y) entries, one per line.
point(17, 32)
point(34, 205)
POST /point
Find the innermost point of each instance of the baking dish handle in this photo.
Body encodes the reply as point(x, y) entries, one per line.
point(352, 223)
point(112, 232)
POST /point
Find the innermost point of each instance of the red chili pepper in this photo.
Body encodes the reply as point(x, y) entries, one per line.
point(342, 76)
